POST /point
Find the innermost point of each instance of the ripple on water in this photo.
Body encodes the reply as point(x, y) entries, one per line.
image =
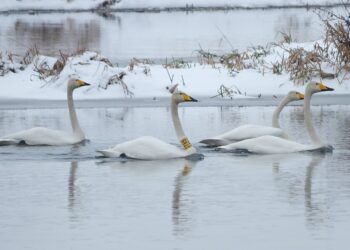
point(72, 198)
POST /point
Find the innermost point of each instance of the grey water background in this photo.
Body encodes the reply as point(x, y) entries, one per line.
point(155, 36)
point(68, 197)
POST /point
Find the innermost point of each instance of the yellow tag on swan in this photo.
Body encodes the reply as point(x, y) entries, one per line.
point(186, 143)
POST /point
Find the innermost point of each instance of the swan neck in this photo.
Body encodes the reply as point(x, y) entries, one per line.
point(277, 112)
point(308, 119)
point(178, 128)
point(73, 116)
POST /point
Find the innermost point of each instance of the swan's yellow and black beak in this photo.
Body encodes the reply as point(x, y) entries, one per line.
point(325, 88)
point(188, 98)
point(300, 96)
point(82, 83)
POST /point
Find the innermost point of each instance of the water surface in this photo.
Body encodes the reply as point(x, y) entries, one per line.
point(67, 198)
point(156, 36)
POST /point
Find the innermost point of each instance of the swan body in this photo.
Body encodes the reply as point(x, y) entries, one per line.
point(268, 144)
point(151, 148)
point(249, 131)
point(276, 145)
point(145, 148)
point(243, 132)
point(45, 136)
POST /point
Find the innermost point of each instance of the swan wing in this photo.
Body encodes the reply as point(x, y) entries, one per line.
point(145, 148)
point(42, 136)
point(268, 145)
point(244, 132)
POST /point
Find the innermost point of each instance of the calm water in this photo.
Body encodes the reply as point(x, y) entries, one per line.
point(155, 35)
point(67, 198)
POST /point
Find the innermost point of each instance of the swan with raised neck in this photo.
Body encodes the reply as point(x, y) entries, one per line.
point(45, 136)
point(151, 148)
point(249, 131)
point(274, 145)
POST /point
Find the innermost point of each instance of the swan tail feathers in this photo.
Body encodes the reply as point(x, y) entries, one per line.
point(111, 153)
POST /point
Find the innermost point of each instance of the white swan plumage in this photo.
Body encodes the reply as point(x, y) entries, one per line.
point(151, 148)
point(251, 130)
point(45, 136)
point(144, 148)
point(275, 145)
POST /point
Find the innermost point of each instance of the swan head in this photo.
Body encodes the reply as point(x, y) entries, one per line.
point(74, 83)
point(179, 96)
point(295, 96)
point(315, 87)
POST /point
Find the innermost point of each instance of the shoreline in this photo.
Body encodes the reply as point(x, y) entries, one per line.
point(188, 8)
point(19, 103)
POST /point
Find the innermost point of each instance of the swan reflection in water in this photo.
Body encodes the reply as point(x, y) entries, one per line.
point(299, 184)
point(181, 204)
point(314, 210)
point(73, 191)
point(181, 169)
point(71, 184)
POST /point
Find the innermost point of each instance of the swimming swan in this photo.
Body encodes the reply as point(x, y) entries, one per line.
point(251, 130)
point(150, 148)
point(45, 136)
point(274, 145)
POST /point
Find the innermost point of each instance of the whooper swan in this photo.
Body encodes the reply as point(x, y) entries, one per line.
point(251, 130)
point(150, 148)
point(45, 136)
point(274, 145)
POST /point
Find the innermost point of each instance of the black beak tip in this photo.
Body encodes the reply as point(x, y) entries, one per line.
point(328, 89)
point(194, 100)
point(87, 84)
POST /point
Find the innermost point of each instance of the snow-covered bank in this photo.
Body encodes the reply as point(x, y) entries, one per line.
point(145, 5)
point(252, 75)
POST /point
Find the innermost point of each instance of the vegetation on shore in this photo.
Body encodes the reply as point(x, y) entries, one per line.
point(328, 58)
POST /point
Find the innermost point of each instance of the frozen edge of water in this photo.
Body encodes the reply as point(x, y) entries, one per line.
point(188, 8)
point(322, 99)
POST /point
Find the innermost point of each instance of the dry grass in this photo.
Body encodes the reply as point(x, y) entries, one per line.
point(29, 56)
point(44, 70)
point(227, 92)
point(338, 36)
point(118, 79)
point(176, 63)
point(144, 64)
point(235, 61)
point(302, 65)
point(206, 58)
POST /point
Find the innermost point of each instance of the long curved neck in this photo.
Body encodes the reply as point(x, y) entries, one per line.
point(73, 115)
point(276, 114)
point(178, 128)
point(308, 119)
